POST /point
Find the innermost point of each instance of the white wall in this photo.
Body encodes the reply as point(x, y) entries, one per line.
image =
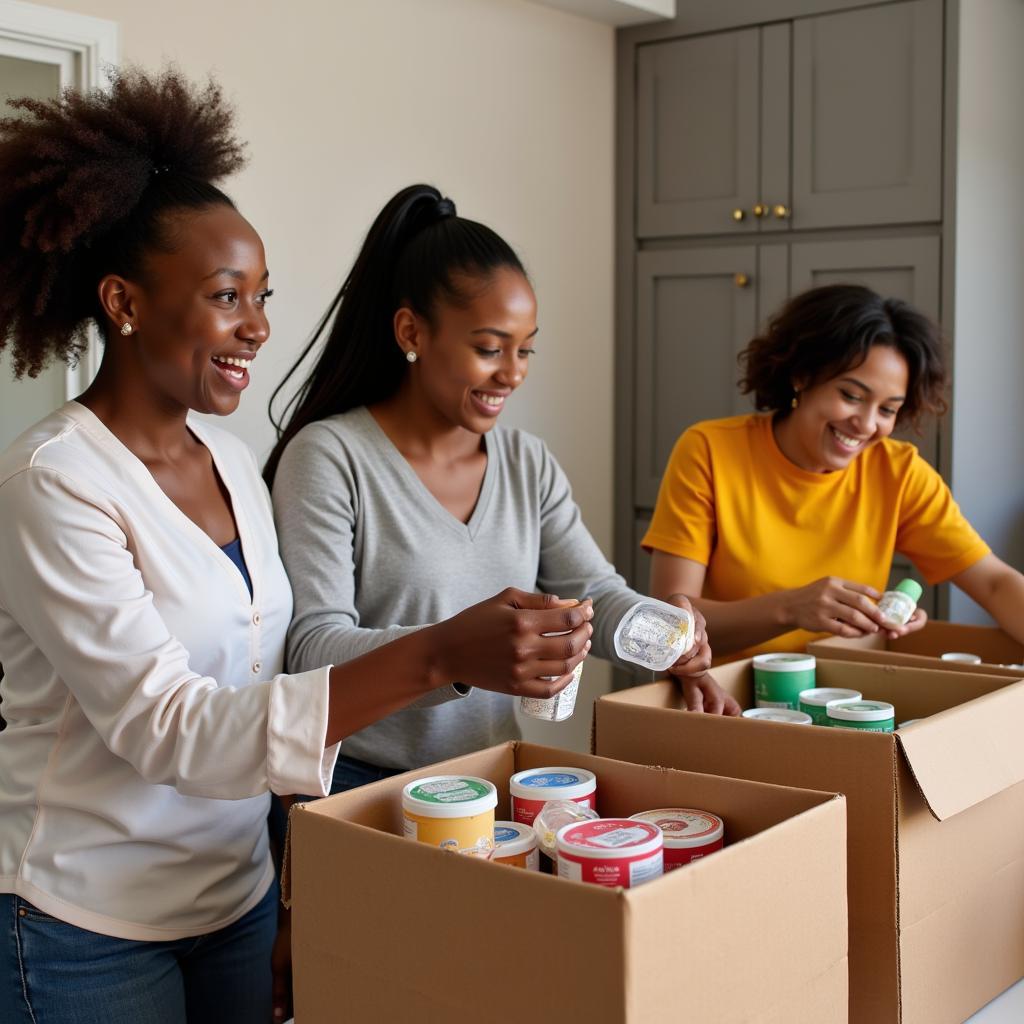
point(505, 105)
point(988, 386)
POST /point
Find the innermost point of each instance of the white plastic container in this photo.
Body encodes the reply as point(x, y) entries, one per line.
point(787, 715)
point(815, 702)
point(897, 606)
point(688, 834)
point(866, 715)
point(557, 708)
point(654, 634)
point(962, 656)
point(515, 845)
point(533, 788)
point(780, 677)
point(611, 851)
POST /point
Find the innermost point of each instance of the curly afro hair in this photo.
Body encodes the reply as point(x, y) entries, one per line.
point(826, 331)
point(88, 179)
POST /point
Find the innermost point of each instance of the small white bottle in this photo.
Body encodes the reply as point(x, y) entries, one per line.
point(897, 606)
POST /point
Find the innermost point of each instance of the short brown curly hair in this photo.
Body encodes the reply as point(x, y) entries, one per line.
point(826, 331)
point(87, 181)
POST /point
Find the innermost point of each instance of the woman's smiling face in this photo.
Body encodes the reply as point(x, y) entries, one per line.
point(837, 420)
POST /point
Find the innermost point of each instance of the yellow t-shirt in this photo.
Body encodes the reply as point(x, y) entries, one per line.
point(733, 502)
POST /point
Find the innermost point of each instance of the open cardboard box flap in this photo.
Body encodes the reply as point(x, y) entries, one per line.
point(925, 646)
point(987, 730)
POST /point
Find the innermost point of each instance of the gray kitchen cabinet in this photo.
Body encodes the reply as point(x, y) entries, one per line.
point(696, 309)
point(867, 116)
point(830, 120)
point(697, 134)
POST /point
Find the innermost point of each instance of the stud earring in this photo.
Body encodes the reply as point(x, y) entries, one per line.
point(127, 329)
point(796, 400)
point(411, 357)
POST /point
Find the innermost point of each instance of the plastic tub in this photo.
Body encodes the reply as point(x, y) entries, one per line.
point(869, 715)
point(688, 834)
point(515, 845)
point(779, 679)
point(654, 634)
point(454, 812)
point(533, 788)
point(615, 852)
point(815, 702)
point(787, 715)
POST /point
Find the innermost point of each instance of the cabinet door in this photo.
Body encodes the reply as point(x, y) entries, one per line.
point(694, 315)
point(697, 134)
point(867, 116)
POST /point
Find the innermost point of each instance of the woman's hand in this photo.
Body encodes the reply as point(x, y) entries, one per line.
point(832, 605)
point(500, 644)
point(702, 693)
point(917, 621)
point(697, 660)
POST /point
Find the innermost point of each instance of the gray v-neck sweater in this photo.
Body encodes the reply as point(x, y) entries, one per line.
point(372, 554)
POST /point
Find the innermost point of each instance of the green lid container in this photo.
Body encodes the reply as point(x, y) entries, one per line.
point(815, 702)
point(780, 678)
point(868, 715)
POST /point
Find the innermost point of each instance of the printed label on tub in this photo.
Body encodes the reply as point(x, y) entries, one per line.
point(620, 837)
point(545, 781)
point(409, 829)
point(449, 791)
point(642, 870)
point(505, 835)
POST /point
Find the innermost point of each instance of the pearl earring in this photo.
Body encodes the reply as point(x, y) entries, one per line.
point(796, 400)
point(411, 357)
point(127, 329)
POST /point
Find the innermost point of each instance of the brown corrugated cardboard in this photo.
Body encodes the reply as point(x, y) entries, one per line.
point(387, 929)
point(935, 820)
point(924, 647)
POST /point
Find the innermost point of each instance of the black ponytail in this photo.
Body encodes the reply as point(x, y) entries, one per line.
point(412, 255)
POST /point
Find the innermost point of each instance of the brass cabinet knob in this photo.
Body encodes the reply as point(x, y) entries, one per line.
point(780, 211)
point(738, 214)
point(741, 280)
point(760, 210)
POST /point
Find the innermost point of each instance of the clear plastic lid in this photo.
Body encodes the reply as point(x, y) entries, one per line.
point(654, 634)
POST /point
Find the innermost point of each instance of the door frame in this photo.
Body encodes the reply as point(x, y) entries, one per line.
point(95, 45)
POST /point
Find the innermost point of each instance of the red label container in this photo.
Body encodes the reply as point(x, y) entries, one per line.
point(533, 788)
point(688, 834)
point(610, 851)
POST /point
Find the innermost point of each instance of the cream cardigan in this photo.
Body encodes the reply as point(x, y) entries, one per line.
point(148, 716)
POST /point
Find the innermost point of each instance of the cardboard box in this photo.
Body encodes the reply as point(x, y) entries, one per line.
point(935, 820)
point(923, 648)
point(387, 929)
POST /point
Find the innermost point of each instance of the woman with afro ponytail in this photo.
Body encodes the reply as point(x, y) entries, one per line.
point(143, 605)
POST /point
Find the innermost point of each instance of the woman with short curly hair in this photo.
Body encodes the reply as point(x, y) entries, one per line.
point(143, 603)
point(781, 527)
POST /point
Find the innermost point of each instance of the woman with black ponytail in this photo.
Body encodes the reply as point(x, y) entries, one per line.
point(143, 604)
point(400, 501)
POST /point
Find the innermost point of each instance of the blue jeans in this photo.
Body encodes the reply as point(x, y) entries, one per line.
point(350, 773)
point(52, 972)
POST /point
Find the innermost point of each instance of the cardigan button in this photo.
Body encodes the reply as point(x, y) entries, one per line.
point(256, 666)
point(257, 619)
